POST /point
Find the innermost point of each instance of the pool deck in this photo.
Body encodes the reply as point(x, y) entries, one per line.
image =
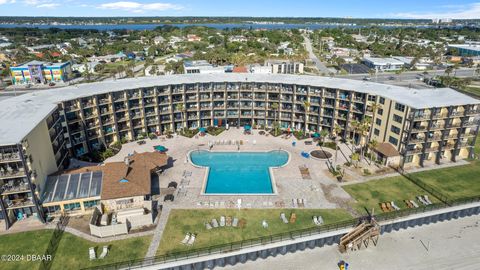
point(288, 179)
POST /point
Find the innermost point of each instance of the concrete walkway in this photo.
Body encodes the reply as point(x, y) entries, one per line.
point(157, 236)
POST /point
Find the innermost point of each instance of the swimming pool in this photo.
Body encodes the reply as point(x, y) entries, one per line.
point(239, 172)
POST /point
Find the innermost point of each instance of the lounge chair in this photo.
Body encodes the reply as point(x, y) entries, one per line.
point(420, 198)
point(284, 218)
point(394, 206)
point(389, 206)
point(300, 203)
point(214, 223)
point(91, 252)
point(104, 252)
point(294, 203)
point(185, 240)
point(222, 221)
point(384, 207)
point(320, 220)
point(235, 222)
point(191, 240)
point(315, 221)
point(293, 218)
point(408, 203)
point(414, 203)
point(208, 226)
point(425, 197)
point(229, 221)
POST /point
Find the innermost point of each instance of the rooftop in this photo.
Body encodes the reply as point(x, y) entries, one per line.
point(473, 47)
point(383, 61)
point(19, 115)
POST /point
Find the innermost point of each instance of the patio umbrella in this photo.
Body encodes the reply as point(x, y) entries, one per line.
point(202, 129)
point(160, 148)
point(247, 127)
point(316, 135)
point(289, 130)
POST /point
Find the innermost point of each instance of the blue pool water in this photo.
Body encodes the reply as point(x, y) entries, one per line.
point(239, 172)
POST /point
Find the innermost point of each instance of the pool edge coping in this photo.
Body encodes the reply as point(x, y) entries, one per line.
point(270, 171)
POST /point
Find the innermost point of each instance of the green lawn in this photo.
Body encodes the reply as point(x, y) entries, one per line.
point(370, 194)
point(181, 222)
point(454, 182)
point(477, 146)
point(72, 251)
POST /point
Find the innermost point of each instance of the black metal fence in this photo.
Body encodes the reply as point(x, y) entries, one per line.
point(54, 242)
point(234, 246)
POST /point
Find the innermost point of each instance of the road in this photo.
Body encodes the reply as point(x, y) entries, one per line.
point(318, 64)
point(445, 245)
point(408, 75)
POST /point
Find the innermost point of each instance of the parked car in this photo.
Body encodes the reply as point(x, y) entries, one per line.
point(51, 84)
point(391, 78)
point(366, 78)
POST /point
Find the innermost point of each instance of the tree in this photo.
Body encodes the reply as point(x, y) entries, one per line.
point(323, 135)
point(120, 70)
point(274, 106)
point(449, 70)
point(372, 145)
point(375, 106)
point(336, 129)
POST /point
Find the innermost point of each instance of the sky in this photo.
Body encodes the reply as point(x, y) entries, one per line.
point(424, 9)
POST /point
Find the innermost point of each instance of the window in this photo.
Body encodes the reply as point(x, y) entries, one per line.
point(378, 121)
point(393, 140)
point(395, 130)
point(408, 159)
point(399, 107)
point(381, 100)
point(376, 132)
point(90, 204)
point(71, 206)
point(372, 98)
point(380, 111)
point(397, 118)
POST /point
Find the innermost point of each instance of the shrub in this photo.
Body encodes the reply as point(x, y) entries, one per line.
point(107, 154)
point(366, 172)
point(152, 136)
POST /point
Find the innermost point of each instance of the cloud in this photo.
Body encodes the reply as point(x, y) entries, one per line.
point(48, 5)
point(2, 2)
point(139, 7)
point(470, 11)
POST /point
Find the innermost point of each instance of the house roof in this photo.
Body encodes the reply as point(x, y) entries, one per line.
point(240, 69)
point(387, 149)
point(121, 180)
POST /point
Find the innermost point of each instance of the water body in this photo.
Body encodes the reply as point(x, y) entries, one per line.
point(220, 26)
point(239, 172)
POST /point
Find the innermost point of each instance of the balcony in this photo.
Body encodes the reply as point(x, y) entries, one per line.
point(10, 172)
point(420, 117)
point(9, 156)
point(19, 203)
point(419, 128)
point(14, 187)
point(472, 112)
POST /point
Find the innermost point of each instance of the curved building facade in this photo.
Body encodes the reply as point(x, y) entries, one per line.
point(39, 131)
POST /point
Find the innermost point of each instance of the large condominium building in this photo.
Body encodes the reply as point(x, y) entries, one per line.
point(39, 131)
point(37, 72)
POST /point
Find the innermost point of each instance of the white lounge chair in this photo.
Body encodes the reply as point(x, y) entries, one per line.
point(420, 198)
point(104, 252)
point(320, 220)
point(414, 203)
point(235, 222)
point(208, 225)
point(315, 221)
point(425, 197)
point(284, 218)
point(91, 252)
point(185, 240)
point(294, 203)
point(214, 223)
point(392, 203)
point(191, 240)
point(222, 221)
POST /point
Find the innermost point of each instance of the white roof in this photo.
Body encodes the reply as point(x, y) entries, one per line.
point(19, 115)
point(383, 61)
point(473, 47)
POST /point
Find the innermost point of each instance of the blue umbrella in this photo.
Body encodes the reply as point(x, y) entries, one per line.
point(247, 127)
point(202, 129)
point(160, 148)
point(316, 135)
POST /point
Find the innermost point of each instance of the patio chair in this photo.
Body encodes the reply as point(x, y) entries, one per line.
point(389, 206)
point(300, 203)
point(191, 240)
point(214, 223)
point(394, 206)
point(414, 203)
point(294, 203)
point(420, 198)
point(293, 218)
point(408, 203)
point(185, 240)
point(208, 226)
point(426, 199)
point(383, 206)
point(235, 222)
point(315, 221)
point(229, 221)
point(320, 220)
point(104, 252)
point(91, 252)
point(284, 218)
point(222, 221)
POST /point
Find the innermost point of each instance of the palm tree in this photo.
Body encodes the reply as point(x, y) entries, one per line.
point(180, 107)
point(363, 131)
point(336, 129)
point(323, 134)
point(372, 145)
point(449, 70)
point(274, 106)
point(375, 106)
point(355, 127)
point(120, 70)
point(306, 106)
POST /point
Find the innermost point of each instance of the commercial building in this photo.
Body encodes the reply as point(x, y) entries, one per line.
point(466, 49)
point(202, 66)
point(284, 66)
point(39, 131)
point(383, 64)
point(37, 72)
